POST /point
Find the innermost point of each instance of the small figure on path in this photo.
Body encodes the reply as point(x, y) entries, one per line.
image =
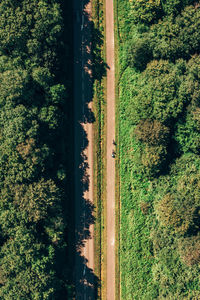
point(113, 154)
point(114, 143)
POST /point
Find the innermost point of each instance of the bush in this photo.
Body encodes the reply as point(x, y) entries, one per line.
point(179, 206)
point(151, 160)
point(187, 133)
point(189, 249)
point(156, 93)
point(177, 38)
point(139, 53)
point(174, 6)
point(173, 216)
point(146, 11)
point(152, 132)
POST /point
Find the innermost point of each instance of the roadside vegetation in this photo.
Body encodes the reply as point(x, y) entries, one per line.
point(159, 132)
point(33, 151)
point(99, 108)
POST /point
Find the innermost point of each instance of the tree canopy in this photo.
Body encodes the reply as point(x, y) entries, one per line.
point(32, 166)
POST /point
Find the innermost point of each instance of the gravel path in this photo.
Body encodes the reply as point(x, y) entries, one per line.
point(110, 59)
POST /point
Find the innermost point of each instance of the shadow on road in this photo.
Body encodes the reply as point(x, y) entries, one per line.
point(88, 66)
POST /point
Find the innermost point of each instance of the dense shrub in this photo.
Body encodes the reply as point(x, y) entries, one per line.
point(156, 93)
point(189, 249)
point(177, 38)
point(23, 31)
point(187, 133)
point(150, 11)
point(146, 11)
point(175, 6)
point(179, 207)
point(139, 53)
point(172, 38)
point(173, 216)
point(152, 132)
point(149, 160)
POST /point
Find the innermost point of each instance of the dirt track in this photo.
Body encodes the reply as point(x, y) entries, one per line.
point(85, 280)
point(110, 59)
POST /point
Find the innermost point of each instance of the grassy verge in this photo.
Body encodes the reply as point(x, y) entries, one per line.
point(135, 260)
point(117, 160)
point(99, 108)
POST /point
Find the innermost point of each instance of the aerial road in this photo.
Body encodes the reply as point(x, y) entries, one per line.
point(83, 166)
point(85, 280)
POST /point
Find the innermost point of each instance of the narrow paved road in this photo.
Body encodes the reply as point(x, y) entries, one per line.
point(85, 280)
point(83, 139)
point(110, 160)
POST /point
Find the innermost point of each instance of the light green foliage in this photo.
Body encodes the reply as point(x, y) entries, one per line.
point(187, 128)
point(189, 250)
point(159, 149)
point(179, 205)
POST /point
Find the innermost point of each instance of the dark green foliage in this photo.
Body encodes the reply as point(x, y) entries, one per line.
point(139, 53)
point(174, 6)
point(26, 267)
point(24, 28)
point(32, 165)
point(156, 93)
point(149, 11)
point(170, 39)
point(146, 11)
point(177, 37)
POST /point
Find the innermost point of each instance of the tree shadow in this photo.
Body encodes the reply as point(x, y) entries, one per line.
point(88, 66)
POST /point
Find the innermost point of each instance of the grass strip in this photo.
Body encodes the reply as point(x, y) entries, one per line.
point(99, 109)
point(117, 160)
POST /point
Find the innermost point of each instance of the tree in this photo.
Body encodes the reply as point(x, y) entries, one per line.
point(146, 11)
point(27, 268)
point(152, 132)
point(177, 37)
point(32, 166)
point(156, 93)
point(139, 52)
point(179, 206)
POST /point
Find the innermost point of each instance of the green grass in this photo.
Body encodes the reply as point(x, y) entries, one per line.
point(117, 159)
point(99, 108)
point(150, 260)
point(135, 247)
